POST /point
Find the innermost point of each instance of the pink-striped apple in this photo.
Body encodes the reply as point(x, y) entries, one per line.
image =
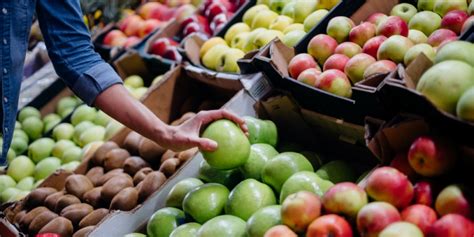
point(336, 61)
point(416, 50)
point(372, 45)
point(393, 25)
point(348, 48)
point(345, 199)
point(381, 67)
point(400, 162)
point(430, 156)
point(454, 20)
point(454, 199)
point(361, 33)
point(309, 76)
point(404, 10)
point(321, 47)
point(423, 193)
point(394, 48)
point(439, 36)
point(300, 209)
point(374, 217)
point(335, 82)
point(390, 185)
point(401, 229)
point(451, 225)
point(339, 28)
point(280, 231)
point(425, 21)
point(299, 63)
point(442, 7)
point(356, 66)
point(420, 215)
point(329, 225)
point(376, 18)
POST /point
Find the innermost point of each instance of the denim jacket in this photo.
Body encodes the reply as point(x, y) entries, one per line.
point(69, 47)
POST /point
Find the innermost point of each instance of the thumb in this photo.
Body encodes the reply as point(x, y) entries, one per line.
point(207, 144)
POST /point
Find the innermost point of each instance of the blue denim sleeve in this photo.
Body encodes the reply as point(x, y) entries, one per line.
point(71, 50)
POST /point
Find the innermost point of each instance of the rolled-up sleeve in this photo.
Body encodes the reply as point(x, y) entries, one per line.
point(71, 50)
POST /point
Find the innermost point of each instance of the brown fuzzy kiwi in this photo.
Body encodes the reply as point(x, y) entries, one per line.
point(168, 155)
point(40, 221)
point(51, 200)
point(65, 201)
point(141, 174)
point(94, 174)
point(94, 217)
point(26, 220)
point(114, 186)
point(187, 154)
point(151, 183)
point(84, 231)
point(139, 185)
point(131, 142)
point(36, 197)
point(133, 164)
point(59, 225)
point(150, 151)
point(93, 196)
point(115, 158)
point(76, 212)
point(99, 154)
point(78, 184)
point(169, 166)
point(125, 200)
point(18, 216)
point(102, 180)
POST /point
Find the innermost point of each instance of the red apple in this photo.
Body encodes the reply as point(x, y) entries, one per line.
point(423, 193)
point(300, 63)
point(454, 20)
point(329, 225)
point(160, 46)
point(431, 156)
point(393, 25)
point(172, 54)
point(321, 47)
point(218, 21)
point(149, 26)
point(309, 76)
point(374, 217)
point(439, 36)
point(345, 199)
point(147, 8)
point(467, 24)
point(400, 161)
point(390, 185)
point(163, 13)
point(335, 82)
point(300, 209)
point(383, 67)
point(119, 41)
point(451, 225)
point(454, 199)
point(131, 41)
point(336, 61)
point(123, 24)
point(372, 45)
point(362, 33)
point(280, 231)
point(356, 66)
point(214, 9)
point(348, 48)
point(112, 35)
point(133, 26)
point(420, 215)
point(191, 28)
point(377, 18)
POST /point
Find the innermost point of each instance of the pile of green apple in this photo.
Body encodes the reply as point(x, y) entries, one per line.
point(288, 20)
point(350, 53)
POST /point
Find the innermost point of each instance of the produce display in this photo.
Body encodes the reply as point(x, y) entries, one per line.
point(349, 53)
point(287, 20)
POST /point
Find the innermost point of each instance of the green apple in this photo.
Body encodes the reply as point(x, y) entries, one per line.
point(40, 149)
point(51, 118)
point(20, 168)
point(212, 56)
point(248, 197)
point(26, 183)
point(134, 81)
point(414, 51)
point(79, 129)
point(304, 181)
point(228, 178)
point(71, 166)
point(292, 38)
point(280, 23)
point(33, 126)
point(10, 155)
point(178, 192)
point(102, 118)
point(262, 220)
point(72, 154)
point(49, 126)
point(66, 112)
point(135, 235)
point(186, 230)
point(240, 40)
point(265, 37)
point(225, 225)
point(17, 125)
point(314, 18)
point(139, 92)
point(293, 27)
point(249, 46)
point(83, 113)
point(38, 183)
point(289, 9)
point(249, 15)
point(9, 194)
point(61, 146)
point(339, 28)
point(417, 37)
point(456, 50)
point(465, 106)
point(327, 4)
point(337, 171)
point(205, 201)
point(18, 133)
point(394, 48)
point(234, 30)
point(228, 61)
point(164, 221)
point(46, 167)
point(404, 10)
point(27, 112)
point(266, 2)
point(157, 79)
point(302, 9)
point(63, 131)
point(277, 170)
point(263, 19)
point(260, 153)
point(233, 146)
point(6, 182)
point(20, 195)
point(92, 134)
point(278, 5)
point(112, 128)
point(444, 92)
point(66, 104)
point(19, 145)
point(425, 21)
point(316, 159)
point(261, 131)
point(426, 5)
point(444, 6)
point(401, 228)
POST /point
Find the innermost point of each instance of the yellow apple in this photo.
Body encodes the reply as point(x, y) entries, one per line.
point(209, 44)
point(212, 56)
point(228, 61)
point(235, 30)
point(314, 18)
point(294, 26)
point(239, 40)
point(264, 19)
point(304, 8)
point(327, 4)
point(291, 38)
point(252, 12)
point(249, 46)
point(265, 37)
point(280, 23)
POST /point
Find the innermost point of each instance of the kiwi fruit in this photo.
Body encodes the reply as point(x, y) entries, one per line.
point(168, 155)
point(94, 174)
point(52, 199)
point(76, 212)
point(115, 172)
point(40, 221)
point(26, 220)
point(133, 164)
point(93, 196)
point(115, 158)
point(99, 155)
point(131, 142)
point(114, 186)
point(169, 166)
point(151, 183)
point(150, 151)
point(84, 231)
point(78, 184)
point(18, 216)
point(36, 197)
point(65, 201)
point(59, 225)
point(94, 217)
point(187, 154)
point(141, 174)
point(125, 200)
point(139, 185)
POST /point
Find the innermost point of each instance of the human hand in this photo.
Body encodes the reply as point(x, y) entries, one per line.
point(187, 135)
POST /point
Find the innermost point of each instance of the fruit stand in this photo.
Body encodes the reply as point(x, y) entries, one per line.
point(360, 115)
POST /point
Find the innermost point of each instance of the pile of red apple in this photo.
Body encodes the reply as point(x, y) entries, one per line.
point(349, 53)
